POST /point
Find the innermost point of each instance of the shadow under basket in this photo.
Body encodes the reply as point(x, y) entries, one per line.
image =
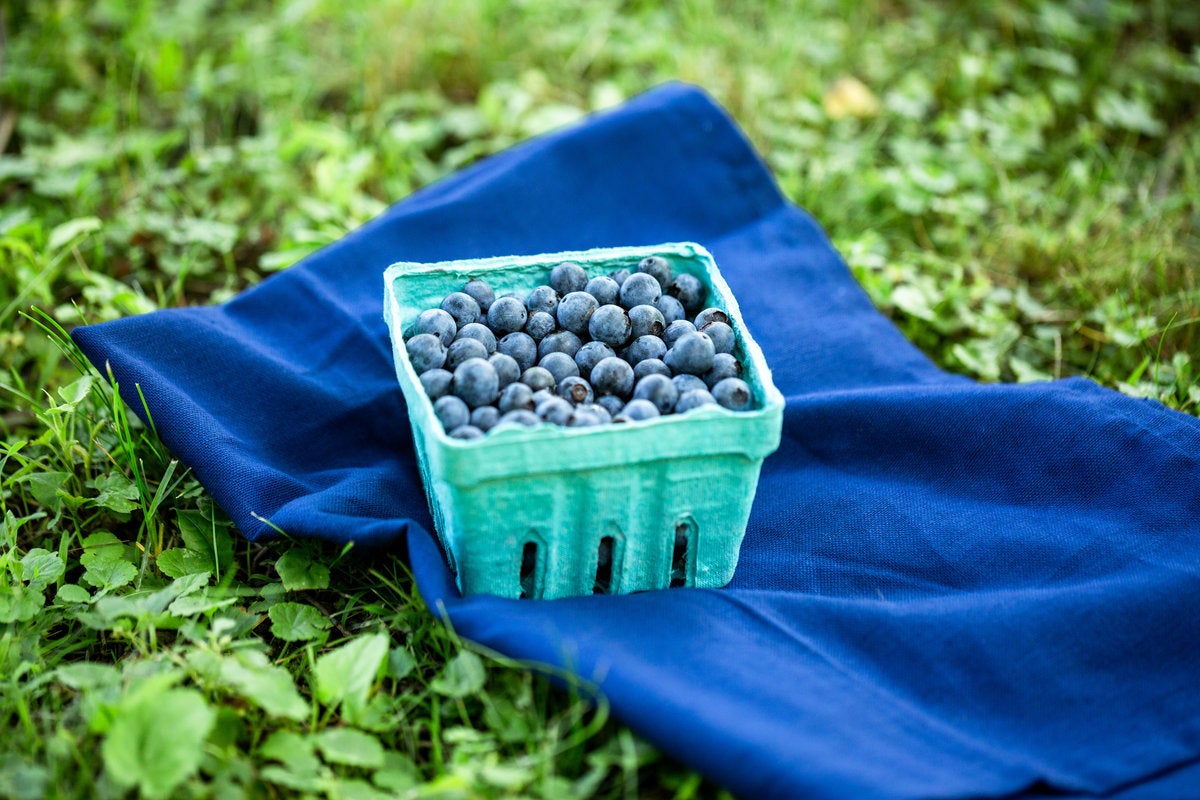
point(548, 512)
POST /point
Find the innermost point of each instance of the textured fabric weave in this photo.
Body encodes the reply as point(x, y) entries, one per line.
point(946, 589)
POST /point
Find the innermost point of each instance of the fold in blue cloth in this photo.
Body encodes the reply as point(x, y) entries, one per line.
point(947, 589)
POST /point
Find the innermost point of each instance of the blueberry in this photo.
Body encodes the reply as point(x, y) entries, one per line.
point(686, 383)
point(610, 403)
point(604, 289)
point(650, 366)
point(724, 366)
point(520, 416)
point(436, 382)
point(692, 353)
point(693, 399)
point(452, 412)
point(640, 289)
point(559, 342)
point(689, 291)
point(659, 390)
point(507, 368)
point(585, 417)
point(520, 347)
point(542, 298)
point(612, 325)
point(462, 307)
point(466, 432)
point(555, 410)
point(481, 293)
point(658, 267)
point(516, 395)
point(676, 329)
point(670, 308)
point(568, 277)
point(507, 314)
point(710, 315)
point(542, 395)
point(574, 312)
point(462, 349)
point(538, 378)
point(721, 335)
point(604, 415)
point(480, 333)
point(575, 389)
point(646, 321)
point(732, 393)
point(540, 325)
point(476, 382)
point(560, 365)
point(426, 352)
point(612, 376)
point(590, 355)
point(637, 410)
point(437, 322)
point(644, 347)
point(619, 276)
point(485, 417)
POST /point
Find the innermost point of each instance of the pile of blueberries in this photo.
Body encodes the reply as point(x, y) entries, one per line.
point(577, 352)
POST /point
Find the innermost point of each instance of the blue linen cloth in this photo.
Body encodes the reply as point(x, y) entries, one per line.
point(946, 589)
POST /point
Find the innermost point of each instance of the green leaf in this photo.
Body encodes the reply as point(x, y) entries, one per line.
point(400, 662)
point(203, 603)
point(292, 779)
point(115, 492)
point(1128, 113)
point(301, 770)
point(349, 746)
point(45, 488)
point(358, 789)
point(21, 780)
point(188, 584)
point(167, 65)
point(512, 777)
point(398, 774)
point(72, 593)
point(202, 534)
point(101, 546)
point(913, 301)
point(149, 606)
point(176, 562)
point(19, 604)
point(107, 574)
point(156, 740)
point(292, 749)
point(104, 562)
point(40, 568)
point(87, 675)
point(269, 687)
point(77, 390)
point(345, 675)
point(220, 236)
point(297, 622)
point(464, 675)
point(69, 231)
point(299, 571)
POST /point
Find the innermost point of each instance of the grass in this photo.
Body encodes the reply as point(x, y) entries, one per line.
point(1016, 184)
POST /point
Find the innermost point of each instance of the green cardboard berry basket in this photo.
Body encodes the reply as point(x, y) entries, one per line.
point(549, 512)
